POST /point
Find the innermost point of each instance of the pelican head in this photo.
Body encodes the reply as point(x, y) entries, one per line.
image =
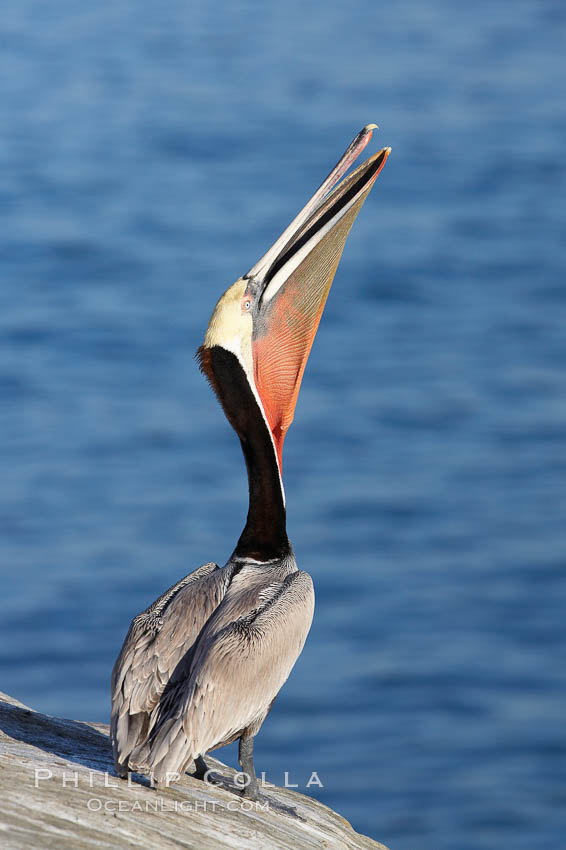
point(269, 317)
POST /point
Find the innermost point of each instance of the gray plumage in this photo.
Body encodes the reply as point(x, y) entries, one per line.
point(202, 666)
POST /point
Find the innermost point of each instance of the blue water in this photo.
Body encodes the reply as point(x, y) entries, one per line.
point(149, 154)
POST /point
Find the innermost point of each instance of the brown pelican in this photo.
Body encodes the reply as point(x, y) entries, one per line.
point(202, 666)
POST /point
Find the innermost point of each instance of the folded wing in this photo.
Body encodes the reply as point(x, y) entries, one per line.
point(157, 640)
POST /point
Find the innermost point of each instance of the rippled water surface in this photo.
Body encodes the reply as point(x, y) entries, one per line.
point(149, 154)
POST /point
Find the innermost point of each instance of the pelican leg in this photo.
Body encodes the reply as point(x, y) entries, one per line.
point(251, 791)
point(200, 768)
point(246, 759)
point(202, 771)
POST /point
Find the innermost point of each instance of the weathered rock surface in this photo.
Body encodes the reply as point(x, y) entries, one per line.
point(58, 790)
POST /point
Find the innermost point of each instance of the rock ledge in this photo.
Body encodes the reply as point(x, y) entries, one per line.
point(59, 790)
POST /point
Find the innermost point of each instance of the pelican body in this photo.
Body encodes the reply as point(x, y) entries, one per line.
point(202, 666)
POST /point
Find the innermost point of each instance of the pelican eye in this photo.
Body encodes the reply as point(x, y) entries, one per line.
point(247, 304)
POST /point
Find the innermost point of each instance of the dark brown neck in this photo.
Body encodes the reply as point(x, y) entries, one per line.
point(264, 536)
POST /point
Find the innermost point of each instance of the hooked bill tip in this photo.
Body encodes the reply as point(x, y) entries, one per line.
point(369, 127)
